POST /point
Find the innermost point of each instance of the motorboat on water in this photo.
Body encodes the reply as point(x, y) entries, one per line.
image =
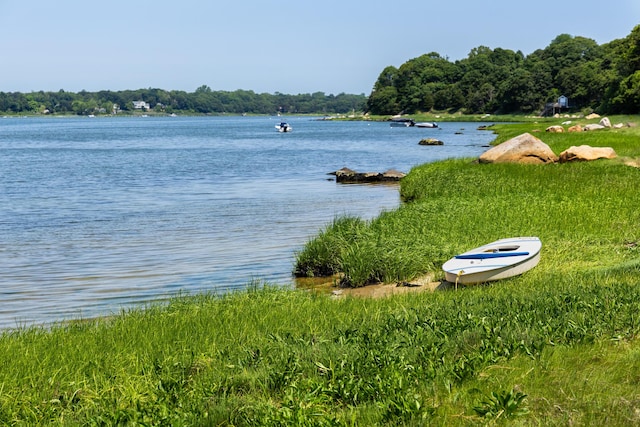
point(494, 261)
point(400, 122)
point(284, 127)
point(426, 125)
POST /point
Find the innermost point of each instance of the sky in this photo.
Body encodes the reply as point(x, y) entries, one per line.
point(284, 46)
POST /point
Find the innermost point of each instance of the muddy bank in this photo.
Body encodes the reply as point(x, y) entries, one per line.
point(380, 290)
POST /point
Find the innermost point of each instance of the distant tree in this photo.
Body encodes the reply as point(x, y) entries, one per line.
point(518, 92)
point(623, 64)
point(386, 78)
point(500, 80)
point(627, 99)
point(449, 97)
point(483, 99)
point(568, 53)
point(203, 89)
point(418, 79)
point(384, 101)
point(584, 84)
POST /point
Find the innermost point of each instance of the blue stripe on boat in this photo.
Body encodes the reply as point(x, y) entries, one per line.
point(491, 255)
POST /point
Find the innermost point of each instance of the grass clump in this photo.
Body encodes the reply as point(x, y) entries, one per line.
point(323, 254)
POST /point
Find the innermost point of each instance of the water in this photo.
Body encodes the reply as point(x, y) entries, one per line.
point(102, 214)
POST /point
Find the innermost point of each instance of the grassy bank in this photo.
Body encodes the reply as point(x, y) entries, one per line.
point(556, 346)
point(585, 213)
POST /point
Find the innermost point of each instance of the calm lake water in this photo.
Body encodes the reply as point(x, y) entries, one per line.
point(103, 214)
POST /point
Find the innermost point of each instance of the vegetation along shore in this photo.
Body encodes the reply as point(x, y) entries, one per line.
point(555, 346)
point(585, 75)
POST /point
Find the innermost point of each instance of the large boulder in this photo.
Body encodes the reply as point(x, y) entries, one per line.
point(524, 148)
point(593, 126)
point(393, 175)
point(430, 141)
point(555, 129)
point(605, 122)
point(586, 153)
point(343, 172)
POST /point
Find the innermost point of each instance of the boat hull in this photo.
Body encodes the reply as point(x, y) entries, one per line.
point(284, 128)
point(495, 261)
point(426, 125)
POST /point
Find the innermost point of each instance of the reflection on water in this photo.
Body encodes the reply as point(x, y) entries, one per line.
point(104, 214)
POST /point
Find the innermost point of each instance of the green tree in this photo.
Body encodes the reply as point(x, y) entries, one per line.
point(519, 93)
point(384, 101)
point(203, 89)
point(419, 78)
point(622, 63)
point(386, 78)
point(449, 97)
point(483, 100)
point(628, 96)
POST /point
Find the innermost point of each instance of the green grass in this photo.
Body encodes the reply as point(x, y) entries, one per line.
point(555, 346)
point(585, 213)
point(276, 357)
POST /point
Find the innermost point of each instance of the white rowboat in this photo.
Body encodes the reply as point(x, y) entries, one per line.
point(494, 261)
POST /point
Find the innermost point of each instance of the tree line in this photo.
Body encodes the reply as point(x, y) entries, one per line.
point(602, 78)
point(202, 101)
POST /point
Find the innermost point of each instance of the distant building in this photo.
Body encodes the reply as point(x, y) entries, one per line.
point(563, 101)
point(553, 108)
point(139, 105)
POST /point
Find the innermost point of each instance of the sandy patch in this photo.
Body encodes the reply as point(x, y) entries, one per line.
point(381, 290)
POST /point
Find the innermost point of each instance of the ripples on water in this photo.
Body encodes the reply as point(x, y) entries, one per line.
point(108, 213)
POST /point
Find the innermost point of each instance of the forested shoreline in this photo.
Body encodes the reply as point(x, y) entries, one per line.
point(602, 78)
point(203, 100)
point(588, 76)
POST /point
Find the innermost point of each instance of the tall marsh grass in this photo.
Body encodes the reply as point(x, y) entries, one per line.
point(586, 214)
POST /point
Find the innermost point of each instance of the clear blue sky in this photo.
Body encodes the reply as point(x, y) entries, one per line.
point(271, 46)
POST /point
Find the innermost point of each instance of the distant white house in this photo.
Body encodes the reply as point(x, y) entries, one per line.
point(138, 105)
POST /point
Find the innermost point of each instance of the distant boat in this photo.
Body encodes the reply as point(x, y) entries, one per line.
point(427, 125)
point(494, 261)
point(398, 122)
point(284, 127)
